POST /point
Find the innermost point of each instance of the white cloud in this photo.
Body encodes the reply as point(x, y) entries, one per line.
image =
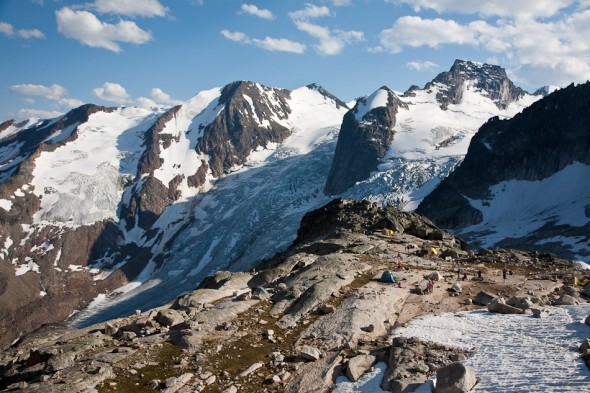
point(159, 96)
point(309, 12)
point(26, 113)
point(415, 32)
point(236, 36)
point(536, 53)
point(422, 65)
point(70, 102)
point(279, 45)
point(253, 10)
point(268, 43)
point(89, 30)
point(330, 42)
point(112, 92)
point(131, 8)
point(53, 92)
point(8, 30)
point(520, 8)
point(147, 103)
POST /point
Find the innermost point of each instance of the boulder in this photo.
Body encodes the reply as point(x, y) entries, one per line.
point(522, 302)
point(60, 362)
point(455, 378)
point(358, 365)
point(169, 317)
point(586, 290)
point(456, 288)
point(309, 353)
point(566, 300)
point(587, 320)
point(585, 346)
point(541, 312)
point(569, 290)
point(499, 305)
point(483, 298)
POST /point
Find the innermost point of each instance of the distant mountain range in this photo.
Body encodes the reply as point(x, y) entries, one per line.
point(147, 203)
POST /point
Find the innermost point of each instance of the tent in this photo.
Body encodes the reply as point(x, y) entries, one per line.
point(388, 276)
point(433, 251)
point(436, 276)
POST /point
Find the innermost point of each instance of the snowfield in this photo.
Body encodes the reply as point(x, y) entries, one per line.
point(519, 207)
point(428, 143)
point(512, 353)
point(82, 181)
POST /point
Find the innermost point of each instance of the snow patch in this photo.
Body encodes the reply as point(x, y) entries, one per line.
point(29, 266)
point(5, 204)
point(519, 207)
point(378, 99)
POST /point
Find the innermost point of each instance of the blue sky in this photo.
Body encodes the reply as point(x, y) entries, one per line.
point(58, 54)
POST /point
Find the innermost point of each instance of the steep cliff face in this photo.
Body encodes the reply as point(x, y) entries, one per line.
point(531, 168)
point(250, 118)
point(366, 133)
point(491, 80)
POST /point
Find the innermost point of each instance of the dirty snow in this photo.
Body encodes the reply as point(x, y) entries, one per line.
point(512, 353)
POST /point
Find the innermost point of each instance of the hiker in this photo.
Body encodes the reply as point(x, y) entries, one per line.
point(430, 286)
point(399, 265)
point(464, 277)
point(504, 274)
point(399, 284)
point(458, 273)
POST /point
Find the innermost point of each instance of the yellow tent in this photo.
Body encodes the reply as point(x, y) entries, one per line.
point(433, 251)
point(576, 281)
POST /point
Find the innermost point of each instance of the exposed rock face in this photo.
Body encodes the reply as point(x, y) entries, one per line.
point(411, 361)
point(491, 79)
point(244, 124)
point(363, 141)
point(537, 143)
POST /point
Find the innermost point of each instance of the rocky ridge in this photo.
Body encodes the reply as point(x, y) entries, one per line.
point(314, 312)
point(543, 140)
point(489, 79)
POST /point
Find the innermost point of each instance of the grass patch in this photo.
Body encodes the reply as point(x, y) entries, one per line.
point(163, 359)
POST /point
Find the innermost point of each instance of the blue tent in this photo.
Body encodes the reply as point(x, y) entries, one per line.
point(388, 276)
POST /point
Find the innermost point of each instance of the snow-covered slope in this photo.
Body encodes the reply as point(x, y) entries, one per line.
point(524, 182)
point(156, 200)
point(433, 131)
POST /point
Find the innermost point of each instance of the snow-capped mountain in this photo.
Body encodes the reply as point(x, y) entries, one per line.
point(525, 182)
point(429, 133)
point(103, 197)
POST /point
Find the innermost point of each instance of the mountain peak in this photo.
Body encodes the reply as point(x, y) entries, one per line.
point(327, 94)
point(490, 79)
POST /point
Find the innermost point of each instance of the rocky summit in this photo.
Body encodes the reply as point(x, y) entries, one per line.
point(323, 309)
